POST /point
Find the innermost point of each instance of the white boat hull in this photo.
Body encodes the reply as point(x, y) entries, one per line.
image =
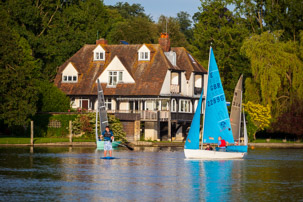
point(206, 154)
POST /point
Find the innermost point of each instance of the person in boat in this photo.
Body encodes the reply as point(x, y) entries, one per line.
point(221, 144)
point(108, 138)
point(208, 147)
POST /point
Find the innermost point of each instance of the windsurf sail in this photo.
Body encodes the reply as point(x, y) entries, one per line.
point(102, 108)
point(216, 118)
point(235, 114)
point(192, 140)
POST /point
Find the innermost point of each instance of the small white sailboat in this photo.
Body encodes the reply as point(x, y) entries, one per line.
point(236, 118)
point(216, 121)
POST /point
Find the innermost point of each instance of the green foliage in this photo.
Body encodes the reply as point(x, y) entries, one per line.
point(85, 124)
point(216, 26)
point(177, 38)
point(117, 128)
point(259, 116)
point(185, 24)
point(251, 128)
point(134, 30)
point(18, 72)
point(51, 98)
point(41, 122)
point(276, 70)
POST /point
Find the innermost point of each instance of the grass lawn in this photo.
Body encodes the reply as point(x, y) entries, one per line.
point(274, 141)
point(27, 140)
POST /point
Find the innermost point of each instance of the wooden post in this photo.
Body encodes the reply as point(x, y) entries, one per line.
point(32, 133)
point(70, 132)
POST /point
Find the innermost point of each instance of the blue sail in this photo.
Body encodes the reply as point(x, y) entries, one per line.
point(216, 118)
point(192, 140)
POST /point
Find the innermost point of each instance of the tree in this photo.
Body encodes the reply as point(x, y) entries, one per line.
point(18, 73)
point(51, 98)
point(185, 24)
point(276, 70)
point(225, 32)
point(128, 11)
point(259, 115)
point(134, 30)
point(172, 26)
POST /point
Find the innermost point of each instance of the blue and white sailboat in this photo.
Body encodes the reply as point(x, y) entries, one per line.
point(216, 120)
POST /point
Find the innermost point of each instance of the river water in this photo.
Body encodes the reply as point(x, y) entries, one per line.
point(147, 174)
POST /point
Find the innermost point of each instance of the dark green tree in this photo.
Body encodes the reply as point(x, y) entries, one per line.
point(51, 98)
point(134, 30)
point(18, 74)
point(172, 26)
point(225, 32)
point(185, 24)
point(129, 11)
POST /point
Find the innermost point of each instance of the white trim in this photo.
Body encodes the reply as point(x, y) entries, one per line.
point(99, 53)
point(143, 53)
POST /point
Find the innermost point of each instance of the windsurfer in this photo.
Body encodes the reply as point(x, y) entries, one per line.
point(221, 144)
point(108, 138)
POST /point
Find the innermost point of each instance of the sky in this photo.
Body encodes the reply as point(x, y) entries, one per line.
point(156, 8)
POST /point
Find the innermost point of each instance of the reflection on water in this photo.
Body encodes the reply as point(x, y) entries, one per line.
point(148, 174)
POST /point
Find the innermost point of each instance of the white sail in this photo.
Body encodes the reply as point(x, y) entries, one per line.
point(235, 114)
point(245, 129)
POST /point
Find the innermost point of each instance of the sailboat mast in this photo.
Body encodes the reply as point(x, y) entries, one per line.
point(240, 117)
point(205, 99)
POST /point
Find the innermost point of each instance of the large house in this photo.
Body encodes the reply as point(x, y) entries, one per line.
point(152, 88)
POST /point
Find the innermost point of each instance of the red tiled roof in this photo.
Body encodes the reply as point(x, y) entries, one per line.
point(148, 75)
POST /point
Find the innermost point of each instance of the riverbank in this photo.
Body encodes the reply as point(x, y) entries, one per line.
point(152, 144)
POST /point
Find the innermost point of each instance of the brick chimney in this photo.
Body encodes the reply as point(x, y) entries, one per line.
point(164, 42)
point(101, 41)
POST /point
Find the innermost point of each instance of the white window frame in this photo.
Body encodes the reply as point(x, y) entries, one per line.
point(109, 101)
point(69, 78)
point(99, 56)
point(173, 105)
point(182, 106)
point(144, 56)
point(118, 75)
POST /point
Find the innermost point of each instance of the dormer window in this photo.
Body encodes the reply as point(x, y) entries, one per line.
point(99, 56)
point(70, 74)
point(99, 53)
point(144, 53)
point(70, 78)
point(144, 56)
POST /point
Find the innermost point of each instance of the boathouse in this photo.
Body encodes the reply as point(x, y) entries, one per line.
point(152, 88)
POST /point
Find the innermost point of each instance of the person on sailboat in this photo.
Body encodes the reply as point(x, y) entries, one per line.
point(108, 138)
point(221, 144)
point(208, 147)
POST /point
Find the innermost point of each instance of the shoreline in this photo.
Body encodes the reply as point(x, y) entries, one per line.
point(152, 144)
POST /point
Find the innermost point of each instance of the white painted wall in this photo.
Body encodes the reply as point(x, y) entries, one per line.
point(124, 106)
point(116, 65)
point(70, 70)
point(144, 49)
point(187, 88)
point(198, 81)
point(150, 131)
point(175, 78)
point(165, 90)
point(76, 104)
